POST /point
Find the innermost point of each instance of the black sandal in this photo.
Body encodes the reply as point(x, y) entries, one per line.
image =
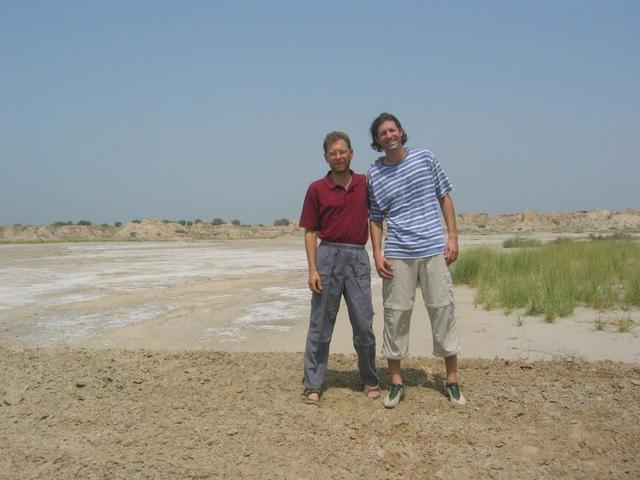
point(367, 389)
point(307, 393)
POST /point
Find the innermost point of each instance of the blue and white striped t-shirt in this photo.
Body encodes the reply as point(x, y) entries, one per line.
point(407, 195)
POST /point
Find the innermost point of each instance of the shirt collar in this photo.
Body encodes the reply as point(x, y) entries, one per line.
point(331, 183)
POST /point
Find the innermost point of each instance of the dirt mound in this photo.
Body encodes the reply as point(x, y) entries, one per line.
point(138, 414)
point(559, 222)
point(146, 230)
point(20, 232)
point(156, 230)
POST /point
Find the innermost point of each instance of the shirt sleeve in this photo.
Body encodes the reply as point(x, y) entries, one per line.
point(375, 213)
point(309, 216)
point(440, 179)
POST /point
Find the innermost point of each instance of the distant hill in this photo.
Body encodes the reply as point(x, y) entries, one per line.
point(597, 221)
point(533, 221)
point(145, 230)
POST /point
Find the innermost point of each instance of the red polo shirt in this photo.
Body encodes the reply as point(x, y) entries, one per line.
point(338, 215)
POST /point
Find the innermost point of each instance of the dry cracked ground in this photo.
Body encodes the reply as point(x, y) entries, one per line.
point(116, 414)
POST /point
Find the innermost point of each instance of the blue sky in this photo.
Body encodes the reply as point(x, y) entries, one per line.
point(117, 110)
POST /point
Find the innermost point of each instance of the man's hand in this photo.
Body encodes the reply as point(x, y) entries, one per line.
point(383, 267)
point(315, 282)
point(451, 250)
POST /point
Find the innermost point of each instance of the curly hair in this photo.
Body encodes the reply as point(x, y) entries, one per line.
point(383, 117)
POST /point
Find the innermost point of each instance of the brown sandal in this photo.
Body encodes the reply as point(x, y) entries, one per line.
point(369, 389)
point(310, 401)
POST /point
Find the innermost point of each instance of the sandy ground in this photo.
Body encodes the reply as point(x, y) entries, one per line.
point(98, 414)
point(245, 296)
point(179, 364)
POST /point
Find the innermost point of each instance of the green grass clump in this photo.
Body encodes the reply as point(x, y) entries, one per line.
point(521, 242)
point(555, 278)
point(625, 325)
point(632, 292)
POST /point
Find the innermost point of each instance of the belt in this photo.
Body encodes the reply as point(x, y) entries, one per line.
point(340, 245)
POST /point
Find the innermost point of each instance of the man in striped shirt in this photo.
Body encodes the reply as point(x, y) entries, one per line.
point(408, 189)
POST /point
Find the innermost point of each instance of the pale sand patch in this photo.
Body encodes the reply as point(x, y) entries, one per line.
point(247, 295)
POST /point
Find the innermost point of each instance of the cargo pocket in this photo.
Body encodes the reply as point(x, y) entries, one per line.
point(363, 270)
point(324, 264)
point(439, 288)
point(447, 287)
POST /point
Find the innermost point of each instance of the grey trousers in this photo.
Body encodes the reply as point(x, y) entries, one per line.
point(344, 270)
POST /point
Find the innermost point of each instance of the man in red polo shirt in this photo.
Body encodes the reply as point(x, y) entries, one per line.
point(335, 210)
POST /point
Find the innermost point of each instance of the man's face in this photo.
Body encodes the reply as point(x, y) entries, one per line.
point(339, 156)
point(389, 137)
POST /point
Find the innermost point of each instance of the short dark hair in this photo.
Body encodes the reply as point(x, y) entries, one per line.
point(383, 117)
point(333, 137)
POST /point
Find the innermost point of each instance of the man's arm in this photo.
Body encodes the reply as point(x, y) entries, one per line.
point(311, 247)
point(449, 214)
point(383, 266)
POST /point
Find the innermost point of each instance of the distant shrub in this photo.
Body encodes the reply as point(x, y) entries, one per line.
point(235, 221)
point(182, 222)
point(104, 225)
point(614, 236)
point(118, 224)
point(561, 241)
point(166, 221)
point(61, 224)
point(189, 223)
point(136, 221)
point(197, 220)
point(84, 222)
point(281, 222)
point(218, 221)
point(520, 242)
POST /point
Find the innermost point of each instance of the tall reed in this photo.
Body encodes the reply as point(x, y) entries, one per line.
point(553, 279)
